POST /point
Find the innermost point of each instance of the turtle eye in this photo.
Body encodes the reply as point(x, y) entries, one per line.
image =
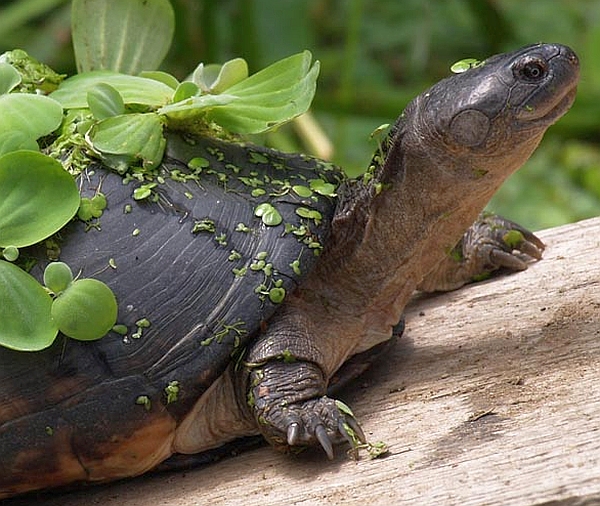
point(531, 69)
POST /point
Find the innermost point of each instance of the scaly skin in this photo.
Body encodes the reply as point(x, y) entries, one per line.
point(443, 160)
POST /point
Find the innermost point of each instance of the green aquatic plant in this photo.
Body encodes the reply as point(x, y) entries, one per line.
point(116, 110)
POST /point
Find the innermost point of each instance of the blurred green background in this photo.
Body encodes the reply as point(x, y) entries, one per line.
point(375, 56)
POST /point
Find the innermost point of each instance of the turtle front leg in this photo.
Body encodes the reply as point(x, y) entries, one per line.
point(286, 392)
point(490, 244)
point(292, 410)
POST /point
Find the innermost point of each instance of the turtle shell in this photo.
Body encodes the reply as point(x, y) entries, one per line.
point(198, 263)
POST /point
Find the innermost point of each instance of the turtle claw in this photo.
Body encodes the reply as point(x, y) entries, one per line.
point(324, 441)
point(293, 433)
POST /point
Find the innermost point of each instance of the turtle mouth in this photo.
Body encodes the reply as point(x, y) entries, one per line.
point(561, 107)
point(548, 116)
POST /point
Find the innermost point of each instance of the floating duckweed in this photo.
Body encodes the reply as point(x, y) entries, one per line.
point(216, 152)
point(258, 265)
point(513, 238)
point(136, 232)
point(465, 64)
point(144, 400)
point(257, 192)
point(261, 289)
point(111, 263)
point(204, 225)
point(262, 255)
point(198, 163)
point(241, 227)
point(240, 272)
point(49, 430)
point(172, 391)
point(311, 214)
point(268, 214)
point(120, 329)
point(258, 157)
point(91, 207)
point(322, 187)
point(295, 265)
point(302, 191)
point(143, 323)
point(223, 330)
point(144, 191)
point(221, 239)
point(234, 256)
point(288, 357)
point(127, 209)
point(251, 181)
point(276, 295)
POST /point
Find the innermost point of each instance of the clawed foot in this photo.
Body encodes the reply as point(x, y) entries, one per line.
point(292, 412)
point(321, 421)
point(490, 244)
point(500, 243)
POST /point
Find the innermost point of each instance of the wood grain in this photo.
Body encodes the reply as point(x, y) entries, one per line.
point(491, 397)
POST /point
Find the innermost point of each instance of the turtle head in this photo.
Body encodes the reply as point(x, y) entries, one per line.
point(496, 112)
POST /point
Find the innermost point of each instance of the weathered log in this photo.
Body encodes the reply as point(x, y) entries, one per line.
point(491, 397)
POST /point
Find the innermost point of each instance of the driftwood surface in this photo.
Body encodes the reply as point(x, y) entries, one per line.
point(492, 396)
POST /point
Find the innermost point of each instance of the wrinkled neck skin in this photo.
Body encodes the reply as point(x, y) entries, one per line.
point(385, 242)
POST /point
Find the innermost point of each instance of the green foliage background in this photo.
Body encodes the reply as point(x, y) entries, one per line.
point(376, 55)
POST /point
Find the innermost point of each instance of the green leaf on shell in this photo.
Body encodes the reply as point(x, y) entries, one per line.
point(105, 101)
point(125, 36)
point(270, 97)
point(91, 207)
point(72, 92)
point(188, 110)
point(9, 78)
point(268, 214)
point(33, 115)
point(259, 103)
point(25, 320)
point(57, 276)
point(132, 136)
point(302, 191)
point(185, 90)
point(86, 310)
point(37, 198)
point(322, 187)
point(215, 78)
point(162, 77)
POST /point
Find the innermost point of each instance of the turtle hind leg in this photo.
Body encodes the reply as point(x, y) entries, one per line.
point(492, 243)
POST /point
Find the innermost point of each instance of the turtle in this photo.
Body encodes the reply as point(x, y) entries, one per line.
point(252, 283)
